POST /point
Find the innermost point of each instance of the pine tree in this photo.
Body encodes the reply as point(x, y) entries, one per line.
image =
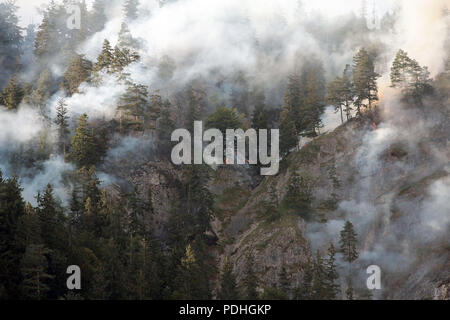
point(155, 111)
point(88, 183)
point(45, 38)
point(62, 122)
point(196, 99)
point(240, 94)
point(133, 106)
point(228, 289)
point(11, 210)
point(224, 118)
point(272, 210)
point(250, 280)
point(314, 99)
point(84, 150)
point(283, 281)
point(43, 90)
point(126, 40)
point(347, 91)
point(304, 291)
point(10, 39)
point(399, 69)
point(34, 268)
point(79, 70)
point(198, 199)
point(339, 94)
point(11, 95)
point(334, 96)
point(164, 131)
point(332, 288)
point(305, 97)
point(28, 228)
point(260, 115)
point(288, 133)
point(349, 292)
point(300, 195)
point(319, 288)
point(105, 58)
point(123, 57)
point(293, 100)
point(364, 79)
point(191, 281)
point(260, 119)
point(136, 214)
point(348, 242)
point(49, 216)
point(408, 75)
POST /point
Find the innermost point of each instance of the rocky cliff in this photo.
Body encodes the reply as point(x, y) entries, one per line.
point(387, 174)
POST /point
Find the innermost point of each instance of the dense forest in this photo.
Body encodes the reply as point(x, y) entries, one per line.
point(86, 179)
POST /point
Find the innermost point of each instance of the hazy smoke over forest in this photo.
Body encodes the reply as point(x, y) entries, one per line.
point(222, 45)
point(216, 39)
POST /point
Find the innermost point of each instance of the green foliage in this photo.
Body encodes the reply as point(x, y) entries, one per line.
point(62, 122)
point(271, 206)
point(11, 210)
point(196, 99)
point(12, 95)
point(133, 106)
point(191, 281)
point(319, 285)
point(283, 281)
point(198, 199)
point(274, 294)
point(85, 148)
point(331, 274)
point(305, 97)
point(34, 268)
point(260, 116)
point(240, 94)
point(349, 293)
point(348, 242)
point(105, 58)
point(305, 291)
point(126, 40)
point(250, 280)
point(364, 80)
point(228, 290)
point(408, 75)
point(122, 57)
point(10, 40)
point(164, 131)
point(43, 91)
point(340, 94)
point(224, 118)
point(79, 70)
point(288, 133)
point(300, 195)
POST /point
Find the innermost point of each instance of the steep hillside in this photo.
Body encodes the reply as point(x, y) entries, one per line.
point(385, 189)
